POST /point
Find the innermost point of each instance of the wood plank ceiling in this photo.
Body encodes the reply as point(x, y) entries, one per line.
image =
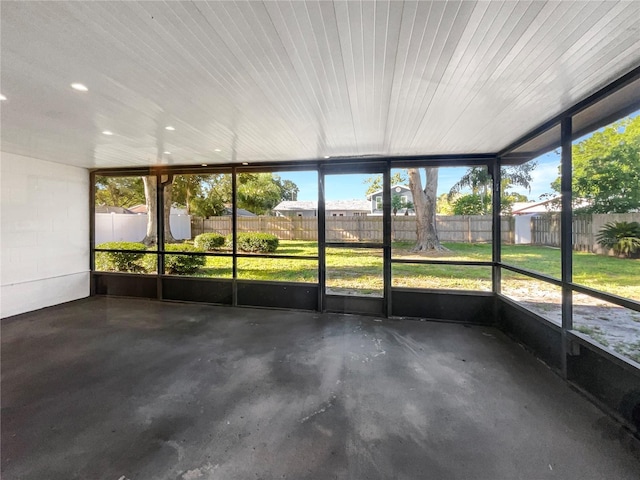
point(268, 81)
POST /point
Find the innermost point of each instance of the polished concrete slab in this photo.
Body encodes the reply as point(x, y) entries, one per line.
point(107, 388)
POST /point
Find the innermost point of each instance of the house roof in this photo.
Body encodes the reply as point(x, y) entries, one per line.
point(543, 206)
point(346, 205)
point(142, 208)
point(241, 212)
point(111, 209)
point(393, 190)
point(296, 206)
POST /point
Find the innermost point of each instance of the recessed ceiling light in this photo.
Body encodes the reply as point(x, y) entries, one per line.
point(217, 150)
point(80, 87)
point(2, 97)
point(170, 128)
point(245, 163)
point(107, 132)
point(327, 156)
point(204, 164)
point(167, 153)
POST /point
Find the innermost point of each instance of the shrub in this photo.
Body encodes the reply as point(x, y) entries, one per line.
point(183, 264)
point(209, 241)
point(471, 204)
point(622, 237)
point(121, 261)
point(256, 242)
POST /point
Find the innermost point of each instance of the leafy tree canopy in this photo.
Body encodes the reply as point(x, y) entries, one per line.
point(471, 204)
point(508, 199)
point(258, 192)
point(375, 183)
point(119, 191)
point(478, 180)
point(289, 190)
point(202, 195)
point(215, 193)
point(444, 204)
point(606, 169)
point(210, 195)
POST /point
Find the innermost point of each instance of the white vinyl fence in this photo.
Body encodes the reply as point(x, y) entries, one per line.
point(124, 227)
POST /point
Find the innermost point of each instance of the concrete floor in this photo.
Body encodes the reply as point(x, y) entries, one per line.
point(133, 389)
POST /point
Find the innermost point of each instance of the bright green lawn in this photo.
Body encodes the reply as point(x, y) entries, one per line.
point(359, 269)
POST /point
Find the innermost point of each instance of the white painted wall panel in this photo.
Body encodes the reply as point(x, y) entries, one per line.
point(44, 234)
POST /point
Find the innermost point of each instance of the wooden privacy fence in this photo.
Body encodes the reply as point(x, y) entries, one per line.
point(457, 228)
point(285, 228)
point(545, 229)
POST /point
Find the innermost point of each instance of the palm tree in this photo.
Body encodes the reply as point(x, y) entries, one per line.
point(408, 206)
point(479, 181)
point(396, 204)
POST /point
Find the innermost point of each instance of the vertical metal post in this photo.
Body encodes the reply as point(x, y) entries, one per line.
point(322, 272)
point(160, 232)
point(566, 244)
point(234, 235)
point(386, 238)
point(496, 274)
point(92, 232)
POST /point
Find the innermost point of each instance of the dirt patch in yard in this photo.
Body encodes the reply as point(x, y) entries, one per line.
point(614, 327)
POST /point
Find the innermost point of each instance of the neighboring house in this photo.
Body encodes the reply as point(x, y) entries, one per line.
point(550, 205)
point(524, 211)
point(347, 208)
point(291, 208)
point(333, 208)
point(240, 212)
point(533, 208)
point(402, 191)
point(142, 208)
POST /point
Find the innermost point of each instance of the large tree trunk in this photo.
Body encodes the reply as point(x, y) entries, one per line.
point(150, 186)
point(424, 202)
point(150, 194)
point(167, 183)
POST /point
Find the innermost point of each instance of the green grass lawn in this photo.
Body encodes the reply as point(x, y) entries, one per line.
point(361, 270)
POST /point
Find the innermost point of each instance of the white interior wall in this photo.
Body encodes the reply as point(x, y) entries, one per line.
point(44, 234)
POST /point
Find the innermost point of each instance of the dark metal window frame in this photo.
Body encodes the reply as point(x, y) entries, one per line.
point(567, 136)
point(384, 165)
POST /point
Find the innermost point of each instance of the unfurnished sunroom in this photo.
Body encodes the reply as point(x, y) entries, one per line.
point(307, 239)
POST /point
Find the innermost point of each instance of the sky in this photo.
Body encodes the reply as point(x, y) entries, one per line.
point(353, 186)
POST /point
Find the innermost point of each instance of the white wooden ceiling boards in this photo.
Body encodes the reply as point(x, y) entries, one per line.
point(269, 81)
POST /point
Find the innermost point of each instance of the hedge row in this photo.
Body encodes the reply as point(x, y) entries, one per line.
point(256, 242)
point(145, 262)
point(120, 261)
point(139, 260)
point(183, 264)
